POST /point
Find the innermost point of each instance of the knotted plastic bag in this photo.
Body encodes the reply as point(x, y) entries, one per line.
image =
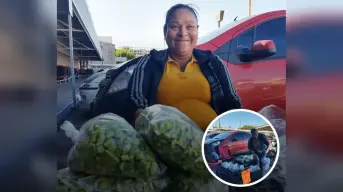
point(108, 145)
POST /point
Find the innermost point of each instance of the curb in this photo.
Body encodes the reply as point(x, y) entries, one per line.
point(62, 115)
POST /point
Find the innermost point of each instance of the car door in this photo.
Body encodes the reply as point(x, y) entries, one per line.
point(245, 140)
point(261, 82)
point(235, 145)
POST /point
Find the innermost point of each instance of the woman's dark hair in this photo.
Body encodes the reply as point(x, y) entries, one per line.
point(175, 8)
point(253, 130)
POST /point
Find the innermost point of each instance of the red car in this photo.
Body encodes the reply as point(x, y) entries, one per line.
point(228, 144)
point(259, 78)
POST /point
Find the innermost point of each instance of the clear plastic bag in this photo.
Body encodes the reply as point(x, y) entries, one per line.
point(174, 137)
point(108, 145)
point(266, 164)
point(70, 182)
point(277, 117)
point(254, 168)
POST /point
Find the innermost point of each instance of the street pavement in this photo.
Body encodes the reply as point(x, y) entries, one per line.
point(64, 93)
point(64, 98)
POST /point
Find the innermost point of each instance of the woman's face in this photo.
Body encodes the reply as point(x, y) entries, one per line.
point(182, 32)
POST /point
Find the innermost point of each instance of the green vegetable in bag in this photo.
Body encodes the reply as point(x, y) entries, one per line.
point(174, 137)
point(70, 182)
point(108, 145)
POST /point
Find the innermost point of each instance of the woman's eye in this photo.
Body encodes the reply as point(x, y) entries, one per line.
point(174, 27)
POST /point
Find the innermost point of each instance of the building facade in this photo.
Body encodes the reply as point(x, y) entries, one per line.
point(108, 51)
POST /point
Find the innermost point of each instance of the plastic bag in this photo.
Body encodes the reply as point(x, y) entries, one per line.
point(277, 117)
point(254, 168)
point(108, 145)
point(70, 182)
point(190, 184)
point(174, 137)
point(266, 164)
point(232, 167)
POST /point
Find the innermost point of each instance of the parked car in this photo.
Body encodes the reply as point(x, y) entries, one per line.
point(89, 89)
point(113, 95)
point(259, 78)
point(228, 144)
point(259, 74)
point(211, 135)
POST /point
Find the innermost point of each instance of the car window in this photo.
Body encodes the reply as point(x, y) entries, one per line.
point(246, 135)
point(223, 51)
point(99, 78)
point(236, 136)
point(94, 76)
point(222, 135)
point(275, 30)
point(245, 39)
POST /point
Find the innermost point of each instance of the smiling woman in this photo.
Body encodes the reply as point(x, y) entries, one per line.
point(195, 82)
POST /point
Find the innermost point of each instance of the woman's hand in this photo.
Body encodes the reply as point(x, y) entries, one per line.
point(137, 113)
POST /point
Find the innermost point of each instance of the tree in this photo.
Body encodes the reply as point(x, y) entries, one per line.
point(246, 127)
point(125, 53)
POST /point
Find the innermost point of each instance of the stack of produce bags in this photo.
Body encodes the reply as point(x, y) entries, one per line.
point(162, 153)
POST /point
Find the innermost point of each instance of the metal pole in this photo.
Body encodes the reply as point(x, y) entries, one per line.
point(218, 24)
point(249, 8)
point(71, 52)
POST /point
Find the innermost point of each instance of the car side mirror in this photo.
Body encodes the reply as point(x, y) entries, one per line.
point(260, 49)
point(234, 139)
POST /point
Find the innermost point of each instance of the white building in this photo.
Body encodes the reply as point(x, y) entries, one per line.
point(108, 51)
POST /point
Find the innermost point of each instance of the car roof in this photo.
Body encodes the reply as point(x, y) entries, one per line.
point(216, 32)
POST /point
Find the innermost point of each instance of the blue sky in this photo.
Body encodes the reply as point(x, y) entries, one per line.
point(234, 120)
point(140, 23)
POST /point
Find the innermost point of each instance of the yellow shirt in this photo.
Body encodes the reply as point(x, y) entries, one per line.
point(188, 91)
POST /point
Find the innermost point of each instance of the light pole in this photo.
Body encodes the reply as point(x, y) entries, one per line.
point(249, 8)
point(71, 51)
point(220, 17)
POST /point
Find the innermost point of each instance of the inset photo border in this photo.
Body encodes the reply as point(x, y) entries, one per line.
point(222, 158)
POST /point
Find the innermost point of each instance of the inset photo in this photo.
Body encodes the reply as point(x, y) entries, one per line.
point(240, 148)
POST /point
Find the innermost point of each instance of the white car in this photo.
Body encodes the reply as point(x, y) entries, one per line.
point(89, 89)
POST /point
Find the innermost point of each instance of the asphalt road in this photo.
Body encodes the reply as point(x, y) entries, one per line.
point(64, 93)
point(64, 97)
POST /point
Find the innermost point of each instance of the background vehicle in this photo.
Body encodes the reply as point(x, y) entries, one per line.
point(112, 95)
point(89, 89)
point(211, 135)
point(231, 143)
point(259, 81)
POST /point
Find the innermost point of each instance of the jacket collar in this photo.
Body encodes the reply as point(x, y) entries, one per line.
point(162, 55)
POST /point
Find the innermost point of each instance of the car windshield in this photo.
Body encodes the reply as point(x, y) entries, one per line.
point(211, 135)
point(211, 35)
point(94, 76)
point(99, 78)
point(222, 136)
